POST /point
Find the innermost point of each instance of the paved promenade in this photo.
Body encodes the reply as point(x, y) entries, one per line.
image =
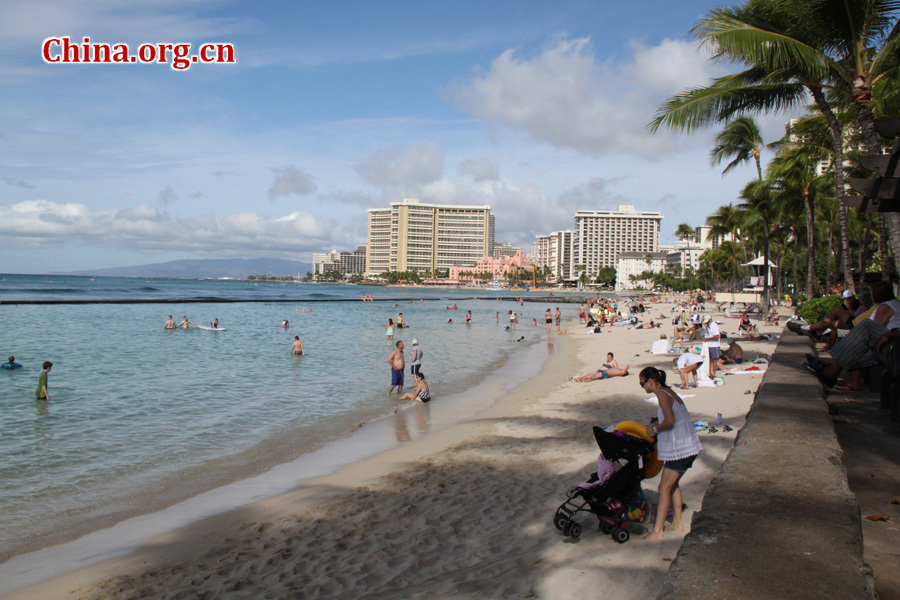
point(779, 519)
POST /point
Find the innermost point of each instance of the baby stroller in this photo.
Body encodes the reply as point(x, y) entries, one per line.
point(612, 501)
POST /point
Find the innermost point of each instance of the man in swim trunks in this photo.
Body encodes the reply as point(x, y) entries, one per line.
point(185, 322)
point(557, 317)
point(605, 373)
point(297, 347)
point(398, 363)
point(170, 323)
point(400, 323)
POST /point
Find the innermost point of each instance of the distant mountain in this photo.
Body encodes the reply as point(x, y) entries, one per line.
point(214, 267)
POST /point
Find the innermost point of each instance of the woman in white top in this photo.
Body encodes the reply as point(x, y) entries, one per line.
point(677, 445)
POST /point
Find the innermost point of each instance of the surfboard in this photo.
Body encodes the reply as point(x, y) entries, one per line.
point(210, 328)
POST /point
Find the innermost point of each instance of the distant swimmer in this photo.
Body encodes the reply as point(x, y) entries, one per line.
point(297, 347)
point(170, 323)
point(42, 393)
point(400, 322)
point(398, 363)
point(389, 330)
point(215, 323)
point(185, 322)
point(468, 317)
point(422, 393)
point(12, 364)
point(285, 324)
point(449, 321)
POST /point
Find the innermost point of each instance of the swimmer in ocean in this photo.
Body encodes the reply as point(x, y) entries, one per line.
point(285, 324)
point(185, 322)
point(170, 323)
point(215, 323)
point(297, 347)
point(12, 364)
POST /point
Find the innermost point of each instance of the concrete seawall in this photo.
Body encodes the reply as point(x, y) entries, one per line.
point(778, 519)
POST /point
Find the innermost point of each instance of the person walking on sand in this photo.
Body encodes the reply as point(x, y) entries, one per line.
point(297, 347)
point(170, 323)
point(416, 361)
point(677, 446)
point(711, 336)
point(41, 393)
point(389, 330)
point(422, 393)
point(548, 319)
point(557, 317)
point(398, 363)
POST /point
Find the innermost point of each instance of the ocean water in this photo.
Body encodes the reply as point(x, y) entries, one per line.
point(141, 417)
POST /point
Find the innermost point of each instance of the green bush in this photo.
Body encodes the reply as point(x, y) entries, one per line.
point(818, 308)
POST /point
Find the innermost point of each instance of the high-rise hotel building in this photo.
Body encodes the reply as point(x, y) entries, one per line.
point(413, 236)
point(601, 235)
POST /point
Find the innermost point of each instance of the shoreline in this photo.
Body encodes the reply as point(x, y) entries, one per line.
point(526, 439)
point(115, 535)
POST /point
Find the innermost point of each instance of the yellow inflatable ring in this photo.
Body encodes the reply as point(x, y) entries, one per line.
point(652, 466)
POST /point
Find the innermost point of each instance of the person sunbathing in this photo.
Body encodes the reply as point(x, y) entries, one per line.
point(604, 373)
point(772, 318)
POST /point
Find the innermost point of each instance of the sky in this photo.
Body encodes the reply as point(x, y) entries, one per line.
point(537, 109)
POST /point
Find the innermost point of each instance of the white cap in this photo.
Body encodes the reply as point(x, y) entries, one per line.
point(415, 342)
point(848, 294)
point(707, 318)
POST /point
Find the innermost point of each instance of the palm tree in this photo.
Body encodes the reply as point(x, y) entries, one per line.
point(794, 170)
point(685, 232)
point(757, 196)
point(740, 141)
point(792, 46)
point(726, 222)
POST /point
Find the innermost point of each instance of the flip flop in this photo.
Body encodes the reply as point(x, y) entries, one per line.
point(847, 388)
point(820, 375)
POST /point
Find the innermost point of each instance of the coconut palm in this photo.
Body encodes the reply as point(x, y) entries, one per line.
point(791, 47)
point(758, 198)
point(740, 141)
point(685, 232)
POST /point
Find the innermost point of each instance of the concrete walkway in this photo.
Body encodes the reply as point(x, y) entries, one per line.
point(779, 519)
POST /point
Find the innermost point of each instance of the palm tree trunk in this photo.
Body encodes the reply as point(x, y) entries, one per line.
point(882, 248)
point(796, 249)
point(840, 190)
point(766, 301)
point(810, 245)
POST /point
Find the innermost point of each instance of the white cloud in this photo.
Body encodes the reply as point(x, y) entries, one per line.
point(569, 98)
point(403, 171)
point(291, 181)
point(145, 228)
point(480, 169)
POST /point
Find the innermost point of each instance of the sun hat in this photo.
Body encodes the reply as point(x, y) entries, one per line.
point(415, 342)
point(707, 318)
point(848, 294)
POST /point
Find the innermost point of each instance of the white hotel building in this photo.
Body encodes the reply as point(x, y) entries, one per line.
point(601, 235)
point(413, 236)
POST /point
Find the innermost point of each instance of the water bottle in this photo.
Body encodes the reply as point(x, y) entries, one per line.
point(719, 419)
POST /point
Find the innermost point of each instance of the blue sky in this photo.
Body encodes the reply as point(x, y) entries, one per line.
point(538, 109)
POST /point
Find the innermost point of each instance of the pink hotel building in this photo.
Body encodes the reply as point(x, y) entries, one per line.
point(499, 267)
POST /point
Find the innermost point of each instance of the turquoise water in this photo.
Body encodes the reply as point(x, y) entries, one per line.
point(141, 416)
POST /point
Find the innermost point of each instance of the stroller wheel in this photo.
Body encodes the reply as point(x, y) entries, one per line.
point(567, 530)
point(621, 535)
point(559, 521)
point(575, 530)
point(607, 528)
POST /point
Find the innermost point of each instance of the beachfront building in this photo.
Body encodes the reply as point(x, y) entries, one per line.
point(345, 263)
point(602, 235)
point(491, 268)
point(633, 264)
point(554, 253)
point(415, 236)
point(505, 249)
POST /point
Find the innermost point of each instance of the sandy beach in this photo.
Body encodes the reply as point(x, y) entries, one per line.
point(464, 511)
